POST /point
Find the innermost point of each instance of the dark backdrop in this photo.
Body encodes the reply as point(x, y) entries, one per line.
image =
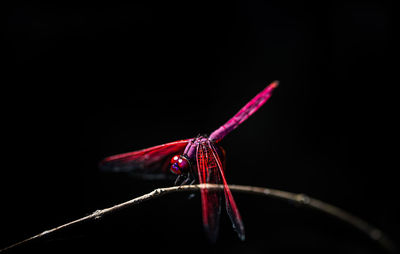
point(87, 80)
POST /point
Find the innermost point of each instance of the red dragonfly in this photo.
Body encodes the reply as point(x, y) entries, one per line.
point(200, 158)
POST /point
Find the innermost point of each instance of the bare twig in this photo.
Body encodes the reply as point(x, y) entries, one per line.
point(372, 232)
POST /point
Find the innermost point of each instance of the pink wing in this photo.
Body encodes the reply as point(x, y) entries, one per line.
point(210, 200)
point(231, 207)
point(152, 162)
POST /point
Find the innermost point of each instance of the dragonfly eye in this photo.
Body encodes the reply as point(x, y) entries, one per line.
point(179, 164)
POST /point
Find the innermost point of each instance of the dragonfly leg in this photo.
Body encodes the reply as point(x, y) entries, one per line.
point(178, 179)
point(189, 179)
point(185, 181)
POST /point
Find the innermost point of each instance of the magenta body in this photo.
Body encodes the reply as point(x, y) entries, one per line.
point(205, 155)
point(250, 108)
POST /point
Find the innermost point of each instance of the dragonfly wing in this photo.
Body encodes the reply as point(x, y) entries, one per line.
point(210, 199)
point(230, 203)
point(153, 161)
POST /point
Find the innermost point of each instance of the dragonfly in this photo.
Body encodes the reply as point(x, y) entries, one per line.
point(200, 159)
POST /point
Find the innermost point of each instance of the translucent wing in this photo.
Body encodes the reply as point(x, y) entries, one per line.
point(153, 161)
point(210, 199)
point(231, 207)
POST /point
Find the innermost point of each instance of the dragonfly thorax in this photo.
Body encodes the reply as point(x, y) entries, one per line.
point(179, 164)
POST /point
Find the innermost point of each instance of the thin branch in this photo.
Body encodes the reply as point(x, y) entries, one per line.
point(372, 232)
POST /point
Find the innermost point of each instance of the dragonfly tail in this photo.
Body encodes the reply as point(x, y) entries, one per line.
point(250, 108)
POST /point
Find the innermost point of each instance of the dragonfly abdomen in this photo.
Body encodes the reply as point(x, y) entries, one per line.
point(244, 113)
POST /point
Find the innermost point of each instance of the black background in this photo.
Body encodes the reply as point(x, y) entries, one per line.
point(87, 80)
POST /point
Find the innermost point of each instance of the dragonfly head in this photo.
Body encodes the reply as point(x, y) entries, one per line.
point(179, 164)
